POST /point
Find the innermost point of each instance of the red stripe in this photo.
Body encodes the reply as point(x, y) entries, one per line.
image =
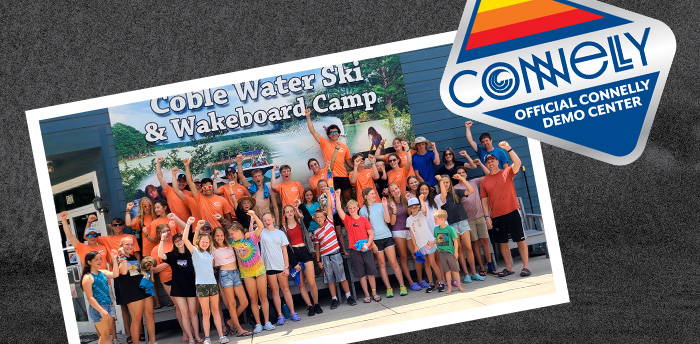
point(530, 27)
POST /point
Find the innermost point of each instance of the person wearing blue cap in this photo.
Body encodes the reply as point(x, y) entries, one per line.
point(423, 241)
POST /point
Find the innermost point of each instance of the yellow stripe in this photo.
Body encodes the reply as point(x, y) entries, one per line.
point(488, 5)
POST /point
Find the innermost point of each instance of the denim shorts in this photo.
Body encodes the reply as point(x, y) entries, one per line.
point(229, 278)
point(461, 227)
point(95, 316)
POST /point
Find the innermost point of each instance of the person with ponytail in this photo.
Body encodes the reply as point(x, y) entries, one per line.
point(300, 258)
point(96, 289)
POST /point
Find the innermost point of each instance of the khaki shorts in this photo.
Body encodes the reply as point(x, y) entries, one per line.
point(478, 229)
point(448, 262)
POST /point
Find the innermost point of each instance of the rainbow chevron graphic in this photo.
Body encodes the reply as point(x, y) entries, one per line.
point(498, 26)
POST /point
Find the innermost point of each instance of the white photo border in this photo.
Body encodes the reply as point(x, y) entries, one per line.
point(35, 116)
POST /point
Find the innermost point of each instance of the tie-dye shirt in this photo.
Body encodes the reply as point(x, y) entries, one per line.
point(250, 263)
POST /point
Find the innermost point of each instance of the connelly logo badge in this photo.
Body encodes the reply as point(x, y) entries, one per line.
point(583, 75)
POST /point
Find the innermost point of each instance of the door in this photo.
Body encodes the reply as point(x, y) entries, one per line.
point(75, 196)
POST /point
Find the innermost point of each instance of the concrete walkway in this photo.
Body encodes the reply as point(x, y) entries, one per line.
point(414, 305)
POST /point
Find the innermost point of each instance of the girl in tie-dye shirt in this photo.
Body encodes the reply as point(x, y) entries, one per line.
point(252, 267)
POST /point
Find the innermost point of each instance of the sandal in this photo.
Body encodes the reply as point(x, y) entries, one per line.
point(525, 272)
point(367, 299)
point(377, 298)
point(129, 341)
point(482, 272)
point(505, 273)
point(245, 333)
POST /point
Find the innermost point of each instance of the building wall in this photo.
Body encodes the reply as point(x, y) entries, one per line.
point(82, 143)
point(422, 73)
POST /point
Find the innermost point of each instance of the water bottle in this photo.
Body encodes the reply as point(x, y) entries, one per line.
point(286, 312)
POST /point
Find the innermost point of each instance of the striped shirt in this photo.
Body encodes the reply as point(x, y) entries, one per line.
point(326, 238)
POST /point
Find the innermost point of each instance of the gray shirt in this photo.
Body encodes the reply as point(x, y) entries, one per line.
point(203, 263)
point(271, 242)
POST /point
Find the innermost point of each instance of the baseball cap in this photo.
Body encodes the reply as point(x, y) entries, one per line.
point(181, 176)
point(413, 201)
point(490, 156)
point(91, 230)
point(228, 170)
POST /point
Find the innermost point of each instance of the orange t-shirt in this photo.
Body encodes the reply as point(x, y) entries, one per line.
point(83, 249)
point(397, 176)
point(192, 205)
point(166, 275)
point(175, 203)
point(113, 242)
point(402, 157)
point(500, 190)
point(153, 233)
point(210, 205)
point(289, 192)
point(136, 222)
point(238, 190)
point(313, 181)
point(363, 180)
point(327, 149)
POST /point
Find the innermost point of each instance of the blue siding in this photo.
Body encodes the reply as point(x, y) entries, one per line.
point(422, 72)
point(89, 133)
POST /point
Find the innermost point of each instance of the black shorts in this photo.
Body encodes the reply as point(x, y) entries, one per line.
point(384, 243)
point(508, 226)
point(362, 263)
point(299, 255)
point(168, 283)
point(273, 272)
point(336, 220)
point(342, 183)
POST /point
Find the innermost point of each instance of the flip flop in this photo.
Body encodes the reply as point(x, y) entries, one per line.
point(505, 272)
point(482, 272)
point(525, 272)
point(244, 334)
point(367, 300)
point(377, 298)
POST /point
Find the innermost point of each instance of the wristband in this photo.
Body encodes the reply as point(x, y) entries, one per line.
point(487, 217)
point(510, 150)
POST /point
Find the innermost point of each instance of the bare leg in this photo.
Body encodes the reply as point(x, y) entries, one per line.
point(242, 299)
point(192, 311)
point(150, 320)
point(363, 284)
point(302, 290)
point(127, 320)
point(251, 287)
point(275, 291)
point(332, 290)
point(104, 329)
point(310, 276)
point(455, 275)
point(401, 249)
point(345, 286)
point(391, 257)
point(230, 299)
point(181, 304)
point(524, 255)
point(507, 258)
point(136, 313)
point(476, 249)
point(216, 313)
point(381, 263)
point(206, 313)
point(486, 245)
point(466, 241)
point(284, 287)
point(261, 283)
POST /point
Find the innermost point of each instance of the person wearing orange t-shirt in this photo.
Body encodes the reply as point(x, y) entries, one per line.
point(150, 236)
point(141, 221)
point(398, 174)
point(187, 197)
point(233, 191)
point(397, 144)
point(212, 207)
point(363, 177)
point(291, 192)
point(318, 174)
point(500, 204)
point(91, 243)
point(175, 203)
point(113, 242)
point(336, 155)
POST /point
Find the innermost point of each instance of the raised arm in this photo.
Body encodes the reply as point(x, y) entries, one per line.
point(423, 207)
point(513, 157)
point(409, 159)
point(159, 172)
point(436, 158)
point(239, 171)
point(66, 229)
point(470, 164)
point(353, 175)
point(385, 207)
point(161, 250)
point(464, 182)
point(310, 125)
point(443, 189)
point(254, 218)
point(173, 172)
point(186, 232)
point(188, 176)
point(341, 212)
point(378, 153)
point(470, 139)
point(273, 179)
point(331, 204)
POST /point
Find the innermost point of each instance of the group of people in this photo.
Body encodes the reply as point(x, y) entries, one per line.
point(243, 243)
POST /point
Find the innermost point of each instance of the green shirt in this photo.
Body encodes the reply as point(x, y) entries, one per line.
point(444, 238)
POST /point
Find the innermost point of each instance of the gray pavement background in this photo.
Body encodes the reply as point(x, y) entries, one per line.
point(629, 235)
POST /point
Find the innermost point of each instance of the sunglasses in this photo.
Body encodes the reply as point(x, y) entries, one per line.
point(207, 187)
point(333, 132)
point(392, 160)
point(117, 224)
point(446, 154)
point(92, 235)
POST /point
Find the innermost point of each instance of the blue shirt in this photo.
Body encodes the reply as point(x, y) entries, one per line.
point(423, 164)
point(499, 153)
point(376, 218)
point(203, 267)
point(100, 288)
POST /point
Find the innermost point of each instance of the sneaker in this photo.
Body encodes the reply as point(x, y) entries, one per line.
point(415, 286)
point(455, 284)
point(311, 310)
point(441, 287)
point(268, 326)
point(280, 320)
point(477, 277)
point(295, 317)
point(351, 301)
point(334, 303)
point(258, 328)
point(467, 279)
point(403, 291)
point(424, 284)
point(223, 339)
point(389, 293)
point(318, 309)
point(430, 289)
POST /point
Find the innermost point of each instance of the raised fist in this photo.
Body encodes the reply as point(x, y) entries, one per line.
point(468, 124)
point(504, 145)
point(463, 153)
point(422, 197)
point(170, 216)
point(393, 207)
point(457, 176)
point(251, 213)
point(92, 218)
point(404, 145)
point(160, 159)
point(307, 112)
point(239, 158)
point(63, 216)
point(216, 174)
point(297, 203)
point(164, 236)
point(190, 220)
point(187, 161)
point(174, 170)
point(129, 206)
point(200, 223)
